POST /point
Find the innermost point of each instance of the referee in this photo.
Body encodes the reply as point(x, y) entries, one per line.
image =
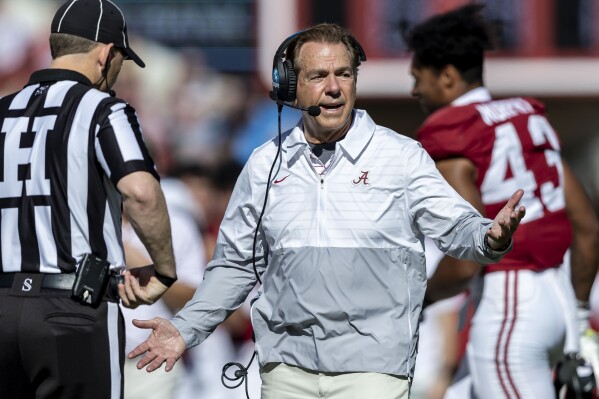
point(71, 159)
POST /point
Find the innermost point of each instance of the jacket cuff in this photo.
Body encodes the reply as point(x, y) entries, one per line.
point(494, 253)
point(188, 334)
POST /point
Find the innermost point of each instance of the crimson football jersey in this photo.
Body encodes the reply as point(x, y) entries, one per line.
point(513, 146)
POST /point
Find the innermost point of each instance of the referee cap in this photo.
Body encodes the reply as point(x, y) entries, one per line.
point(98, 20)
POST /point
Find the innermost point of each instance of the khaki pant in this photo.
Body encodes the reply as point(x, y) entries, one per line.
point(160, 384)
point(280, 381)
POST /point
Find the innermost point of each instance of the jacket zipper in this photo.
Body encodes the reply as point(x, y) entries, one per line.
point(321, 211)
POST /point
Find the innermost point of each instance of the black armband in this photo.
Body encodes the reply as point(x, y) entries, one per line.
point(489, 248)
point(583, 304)
point(168, 281)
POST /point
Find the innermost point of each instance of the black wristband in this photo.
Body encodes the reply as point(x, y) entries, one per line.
point(583, 304)
point(506, 246)
point(168, 281)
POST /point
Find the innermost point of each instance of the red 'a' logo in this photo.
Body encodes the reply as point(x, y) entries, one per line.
point(362, 179)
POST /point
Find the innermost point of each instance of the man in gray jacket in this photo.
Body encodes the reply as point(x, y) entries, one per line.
point(339, 244)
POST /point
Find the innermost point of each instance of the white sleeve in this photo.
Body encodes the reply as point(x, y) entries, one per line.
point(439, 212)
point(188, 247)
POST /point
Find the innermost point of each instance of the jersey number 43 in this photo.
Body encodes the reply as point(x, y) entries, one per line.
point(496, 187)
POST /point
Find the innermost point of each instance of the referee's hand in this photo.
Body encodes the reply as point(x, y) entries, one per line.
point(164, 344)
point(140, 287)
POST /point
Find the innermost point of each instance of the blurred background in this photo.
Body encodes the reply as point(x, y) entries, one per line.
point(203, 97)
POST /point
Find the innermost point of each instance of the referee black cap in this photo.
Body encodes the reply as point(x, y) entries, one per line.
point(98, 20)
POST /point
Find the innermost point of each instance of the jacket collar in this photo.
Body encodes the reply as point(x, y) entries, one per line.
point(356, 140)
point(54, 75)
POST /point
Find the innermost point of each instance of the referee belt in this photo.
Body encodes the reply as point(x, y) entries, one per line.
point(58, 281)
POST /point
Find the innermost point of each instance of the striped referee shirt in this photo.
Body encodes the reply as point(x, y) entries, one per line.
point(63, 147)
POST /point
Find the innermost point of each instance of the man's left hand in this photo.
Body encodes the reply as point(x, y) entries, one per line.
point(140, 287)
point(506, 222)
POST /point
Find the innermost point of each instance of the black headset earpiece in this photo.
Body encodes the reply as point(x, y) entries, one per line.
point(284, 80)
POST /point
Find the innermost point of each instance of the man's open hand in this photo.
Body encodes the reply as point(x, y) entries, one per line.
point(506, 222)
point(164, 344)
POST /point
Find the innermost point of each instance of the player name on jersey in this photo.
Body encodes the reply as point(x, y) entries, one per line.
point(502, 110)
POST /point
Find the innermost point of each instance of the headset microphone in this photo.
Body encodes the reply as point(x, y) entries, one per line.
point(313, 110)
point(112, 93)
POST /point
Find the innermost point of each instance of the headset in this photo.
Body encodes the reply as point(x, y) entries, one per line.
point(104, 77)
point(284, 80)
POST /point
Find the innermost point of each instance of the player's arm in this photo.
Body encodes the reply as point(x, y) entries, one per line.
point(584, 257)
point(453, 276)
point(461, 174)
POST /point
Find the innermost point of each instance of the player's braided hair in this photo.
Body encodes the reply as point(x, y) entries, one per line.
point(457, 38)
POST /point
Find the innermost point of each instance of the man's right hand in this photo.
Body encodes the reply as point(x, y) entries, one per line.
point(164, 344)
point(506, 222)
point(140, 287)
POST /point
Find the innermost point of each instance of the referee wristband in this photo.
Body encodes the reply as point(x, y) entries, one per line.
point(168, 281)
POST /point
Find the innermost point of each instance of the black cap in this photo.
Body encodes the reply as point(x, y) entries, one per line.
point(98, 20)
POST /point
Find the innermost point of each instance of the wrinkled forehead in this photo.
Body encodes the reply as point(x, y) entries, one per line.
point(318, 55)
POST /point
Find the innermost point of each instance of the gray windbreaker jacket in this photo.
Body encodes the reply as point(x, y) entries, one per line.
point(341, 253)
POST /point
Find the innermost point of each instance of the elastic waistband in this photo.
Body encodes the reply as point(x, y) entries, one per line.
point(52, 281)
point(506, 268)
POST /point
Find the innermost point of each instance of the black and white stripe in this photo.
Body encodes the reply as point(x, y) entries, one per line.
point(63, 148)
